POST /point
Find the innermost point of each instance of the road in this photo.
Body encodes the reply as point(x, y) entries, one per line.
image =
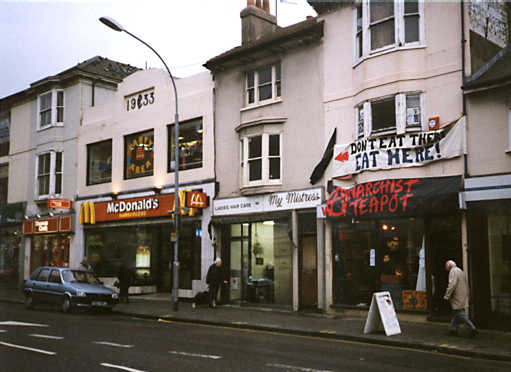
point(53, 341)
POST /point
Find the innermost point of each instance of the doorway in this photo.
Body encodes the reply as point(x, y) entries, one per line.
point(308, 273)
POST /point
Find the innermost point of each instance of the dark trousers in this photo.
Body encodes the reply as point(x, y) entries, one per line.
point(123, 292)
point(213, 291)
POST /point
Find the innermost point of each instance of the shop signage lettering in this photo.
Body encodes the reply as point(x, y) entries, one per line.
point(397, 151)
point(269, 203)
point(59, 203)
point(387, 198)
point(135, 206)
point(47, 225)
point(41, 226)
point(138, 100)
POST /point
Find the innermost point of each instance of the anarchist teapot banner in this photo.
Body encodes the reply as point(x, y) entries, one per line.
point(400, 150)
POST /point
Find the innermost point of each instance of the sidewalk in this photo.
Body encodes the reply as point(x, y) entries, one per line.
point(423, 336)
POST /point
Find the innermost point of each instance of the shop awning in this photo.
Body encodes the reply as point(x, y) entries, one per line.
point(395, 198)
point(486, 188)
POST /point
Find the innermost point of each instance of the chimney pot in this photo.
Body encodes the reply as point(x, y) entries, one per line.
point(266, 6)
point(258, 4)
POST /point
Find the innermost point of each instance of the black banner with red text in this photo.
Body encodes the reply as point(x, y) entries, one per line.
point(395, 198)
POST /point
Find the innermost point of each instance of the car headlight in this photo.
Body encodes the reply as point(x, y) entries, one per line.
point(81, 293)
point(115, 296)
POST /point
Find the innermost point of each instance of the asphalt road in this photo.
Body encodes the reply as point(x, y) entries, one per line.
point(108, 342)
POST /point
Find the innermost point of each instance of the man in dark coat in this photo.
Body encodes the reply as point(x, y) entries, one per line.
point(214, 279)
point(124, 276)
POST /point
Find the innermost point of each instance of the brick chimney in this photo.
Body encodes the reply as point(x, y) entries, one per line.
point(256, 21)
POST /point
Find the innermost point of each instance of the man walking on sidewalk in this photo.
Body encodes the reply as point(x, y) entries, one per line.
point(214, 278)
point(457, 295)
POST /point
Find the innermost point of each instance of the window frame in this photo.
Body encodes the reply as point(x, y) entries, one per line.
point(125, 147)
point(88, 181)
point(54, 109)
point(399, 29)
point(265, 160)
point(170, 143)
point(52, 175)
point(401, 121)
point(276, 85)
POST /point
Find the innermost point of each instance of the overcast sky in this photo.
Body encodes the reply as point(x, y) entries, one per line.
point(42, 38)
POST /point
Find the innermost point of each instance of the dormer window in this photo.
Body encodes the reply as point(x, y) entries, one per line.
point(51, 109)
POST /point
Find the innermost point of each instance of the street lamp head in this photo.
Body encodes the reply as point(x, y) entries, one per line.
point(112, 23)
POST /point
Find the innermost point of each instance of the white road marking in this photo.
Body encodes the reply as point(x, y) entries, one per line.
point(295, 368)
point(28, 348)
point(196, 355)
point(120, 367)
point(112, 344)
point(47, 336)
point(15, 323)
point(2, 330)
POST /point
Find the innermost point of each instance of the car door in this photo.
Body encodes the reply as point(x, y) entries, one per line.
point(55, 287)
point(40, 287)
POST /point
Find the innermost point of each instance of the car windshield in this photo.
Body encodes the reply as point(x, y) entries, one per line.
point(78, 276)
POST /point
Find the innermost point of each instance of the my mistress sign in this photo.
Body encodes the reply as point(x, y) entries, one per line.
point(401, 150)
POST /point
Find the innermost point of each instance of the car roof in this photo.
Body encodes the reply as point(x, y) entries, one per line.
point(60, 268)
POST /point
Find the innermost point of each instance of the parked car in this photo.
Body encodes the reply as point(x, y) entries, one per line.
point(69, 288)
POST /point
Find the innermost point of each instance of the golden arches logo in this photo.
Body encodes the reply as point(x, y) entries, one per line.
point(87, 213)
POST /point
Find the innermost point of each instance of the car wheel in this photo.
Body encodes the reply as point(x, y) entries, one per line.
point(29, 301)
point(66, 304)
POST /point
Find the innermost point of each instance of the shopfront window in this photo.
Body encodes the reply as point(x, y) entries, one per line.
point(380, 255)
point(139, 154)
point(190, 145)
point(49, 250)
point(259, 256)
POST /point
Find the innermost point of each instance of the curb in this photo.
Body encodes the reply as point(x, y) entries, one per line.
point(301, 332)
point(344, 337)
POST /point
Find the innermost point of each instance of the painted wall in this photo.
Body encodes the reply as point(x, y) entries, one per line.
point(488, 123)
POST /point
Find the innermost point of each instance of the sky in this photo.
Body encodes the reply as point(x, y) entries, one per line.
point(42, 38)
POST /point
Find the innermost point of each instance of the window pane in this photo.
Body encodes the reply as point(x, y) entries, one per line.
point(254, 147)
point(60, 98)
point(275, 169)
point(46, 117)
point(264, 92)
point(139, 155)
point(381, 10)
point(99, 157)
point(255, 170)
point(250, 79)
point(45, 102)
point(411, 29)
point(190, 145)
point(274, 145)
point(58, 162)
point(384, 114)
point(44, 185)
point(277, 94)
point(44, 164)
point(359, 17)
point(60, 114)
point(277, 72)
point(58, 183)
point(264, 75)
point(251, 95)
point(411, 6)
point(382, 34)
point(413, 113)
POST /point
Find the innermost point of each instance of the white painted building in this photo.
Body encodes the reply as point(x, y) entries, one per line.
point(125, 178)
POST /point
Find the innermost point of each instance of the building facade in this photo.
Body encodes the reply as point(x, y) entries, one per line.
point(44, 121)
point(125, 182)
point(266, 108)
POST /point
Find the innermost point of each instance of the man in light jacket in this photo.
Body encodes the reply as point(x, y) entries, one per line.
point(457, 295)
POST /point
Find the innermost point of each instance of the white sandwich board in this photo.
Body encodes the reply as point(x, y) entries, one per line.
point(382, 312)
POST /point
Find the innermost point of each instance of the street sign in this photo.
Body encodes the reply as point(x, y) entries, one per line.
point(382, 312)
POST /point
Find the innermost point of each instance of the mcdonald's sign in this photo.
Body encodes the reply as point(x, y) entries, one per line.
point(190, 203)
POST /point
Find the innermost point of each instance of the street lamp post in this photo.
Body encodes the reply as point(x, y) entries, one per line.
point(114, 25)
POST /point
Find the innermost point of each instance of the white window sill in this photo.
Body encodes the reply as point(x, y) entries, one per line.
point(262, 104)
point(46, 197)
point(508, 151)
point(386, 50)
point(54, 125)
point(260, 188)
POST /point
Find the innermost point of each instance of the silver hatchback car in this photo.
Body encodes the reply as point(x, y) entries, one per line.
point(69, 288)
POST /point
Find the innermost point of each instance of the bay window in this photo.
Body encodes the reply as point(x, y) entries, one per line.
point(51, 109)
point(263, 84)
point(49, 173)
point(381, 25)
point(261, 160)
point(392, 114)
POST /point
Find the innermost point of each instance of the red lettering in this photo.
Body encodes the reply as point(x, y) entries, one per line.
point(376, 187)
point(385, 187)
point(410, 183)
point(363, 206)
point(354, 204)
point(335, 196)
point(369, 192)
point(360, 191)
point(373, 205)
point(399, 186)
point(393, 203)
point(404, 200)
point(383, 202)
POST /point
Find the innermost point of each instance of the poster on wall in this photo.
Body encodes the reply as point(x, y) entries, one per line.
point(412, 149)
